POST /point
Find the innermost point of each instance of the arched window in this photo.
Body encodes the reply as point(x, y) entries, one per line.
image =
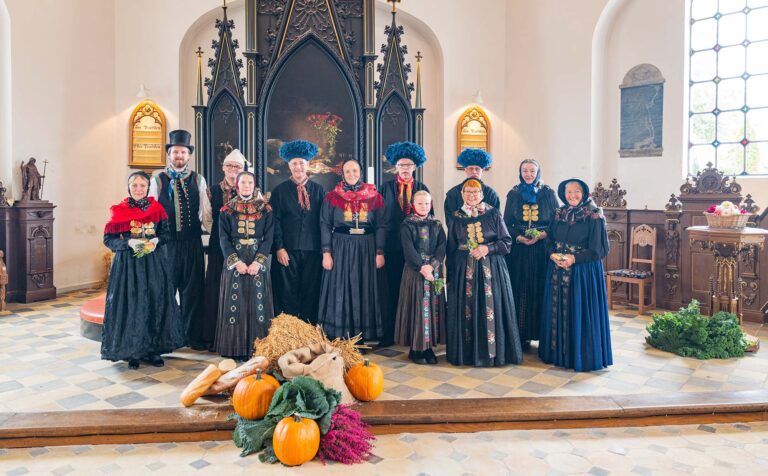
point(728, 86)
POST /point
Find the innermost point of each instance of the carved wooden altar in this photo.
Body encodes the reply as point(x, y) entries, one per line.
point(683, 269)
point(309, 74)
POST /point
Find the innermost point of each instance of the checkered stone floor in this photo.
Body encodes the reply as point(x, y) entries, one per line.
point(48, 366)
point(720, 449)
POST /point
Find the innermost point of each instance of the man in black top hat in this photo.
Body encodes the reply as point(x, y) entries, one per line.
point(184, 195)
point(297, 258)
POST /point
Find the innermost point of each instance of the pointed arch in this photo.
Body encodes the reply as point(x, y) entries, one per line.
point(275, 79)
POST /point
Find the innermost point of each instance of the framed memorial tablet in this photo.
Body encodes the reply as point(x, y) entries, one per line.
point(147, 136)
point(473, 130)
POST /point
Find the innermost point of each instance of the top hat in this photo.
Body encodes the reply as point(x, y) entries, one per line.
point(180, 137)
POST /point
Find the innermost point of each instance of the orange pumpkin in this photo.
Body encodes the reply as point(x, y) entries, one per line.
point(365, 381)
point(253, 395)
point(296, 440)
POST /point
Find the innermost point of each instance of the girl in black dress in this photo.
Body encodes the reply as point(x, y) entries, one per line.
point(420, 322)
point(141, 317)
point(220, 194)
point(482, 326)
point(245, 235)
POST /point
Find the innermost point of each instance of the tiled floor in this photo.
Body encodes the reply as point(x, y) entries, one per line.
point(48, 366)
point(722, 449)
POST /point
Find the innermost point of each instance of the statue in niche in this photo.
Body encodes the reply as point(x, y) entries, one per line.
point(31, 180)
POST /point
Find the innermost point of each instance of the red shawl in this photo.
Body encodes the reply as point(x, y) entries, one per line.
point(339, 198)
point(123, 214)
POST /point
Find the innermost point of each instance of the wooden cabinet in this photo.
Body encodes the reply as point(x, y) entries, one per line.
point(26, 236)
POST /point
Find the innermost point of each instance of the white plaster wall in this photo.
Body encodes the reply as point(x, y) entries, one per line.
point(63, 77)
point(548, 82)
point(6, 123)
point(649, 31)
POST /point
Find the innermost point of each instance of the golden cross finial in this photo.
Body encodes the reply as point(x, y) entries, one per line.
point(394, 4)
point(418, 56)
point(199, 52)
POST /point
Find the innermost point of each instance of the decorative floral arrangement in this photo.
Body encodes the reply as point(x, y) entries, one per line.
point(439, 285)
point(328, 126)
point(726, 209)
point(532, 233)
point(144, 249)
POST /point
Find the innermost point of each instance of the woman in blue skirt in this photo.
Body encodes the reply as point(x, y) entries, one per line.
point(575, 332)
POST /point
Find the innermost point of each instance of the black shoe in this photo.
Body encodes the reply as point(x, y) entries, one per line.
point(430, 356)
point(156, 360)
point(417, 358)
point(133, 364)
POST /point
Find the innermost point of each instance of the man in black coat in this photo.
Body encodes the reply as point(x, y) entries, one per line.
point(297, 257)
point(474, 162)
point(184, 195)
point(398, 202)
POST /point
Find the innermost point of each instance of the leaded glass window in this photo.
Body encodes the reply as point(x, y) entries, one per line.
point(728, 86)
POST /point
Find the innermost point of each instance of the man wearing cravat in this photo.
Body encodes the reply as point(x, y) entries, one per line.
point(297, 256)
point(184, 195)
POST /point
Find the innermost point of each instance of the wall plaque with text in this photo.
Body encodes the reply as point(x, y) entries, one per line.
point(147, 136)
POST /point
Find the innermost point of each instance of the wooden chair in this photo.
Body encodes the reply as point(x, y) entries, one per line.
point(642, 236)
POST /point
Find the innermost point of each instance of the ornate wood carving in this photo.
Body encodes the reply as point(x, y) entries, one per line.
point(612, 197)
point(225, 67)
point(710, 181)
point(393, 70)
point(316, 16)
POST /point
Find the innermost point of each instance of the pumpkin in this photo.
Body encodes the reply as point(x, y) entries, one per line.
point(365, 381)
point(253, 395)
point(296, 440)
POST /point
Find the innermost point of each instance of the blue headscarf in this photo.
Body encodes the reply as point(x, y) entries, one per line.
point(530, 191)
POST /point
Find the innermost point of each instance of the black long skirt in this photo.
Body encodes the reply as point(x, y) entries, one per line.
point(141, 317)
point(352, 293)
point(528, 273)
point(212, 290)
point(420, 322)
point(245, 309)
point(477, 335)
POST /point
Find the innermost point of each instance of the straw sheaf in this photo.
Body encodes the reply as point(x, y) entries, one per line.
point(287, 333)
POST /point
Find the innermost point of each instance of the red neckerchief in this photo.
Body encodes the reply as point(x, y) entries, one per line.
point(123, 214)
point(404, 192)
point(339, 198)
point(301, 188)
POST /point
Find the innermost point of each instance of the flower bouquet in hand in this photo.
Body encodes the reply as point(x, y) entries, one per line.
point(532, 234)
point(143, 248)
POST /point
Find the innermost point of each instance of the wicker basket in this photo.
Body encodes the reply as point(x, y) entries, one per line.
point(726, 221)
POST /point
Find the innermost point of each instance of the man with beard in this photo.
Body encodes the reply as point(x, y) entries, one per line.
point(297, 257)
point(398, 201)
point(184, 195)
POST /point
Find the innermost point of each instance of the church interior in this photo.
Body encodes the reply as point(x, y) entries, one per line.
point(659, 106)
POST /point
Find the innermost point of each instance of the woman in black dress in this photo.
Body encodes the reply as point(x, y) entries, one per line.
point(141, 317)
point(220, 194)
point(352, 234)
point(530, 209)
point(575, 331)
point(482, 327)
point(245, 235)
point(420, 322)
